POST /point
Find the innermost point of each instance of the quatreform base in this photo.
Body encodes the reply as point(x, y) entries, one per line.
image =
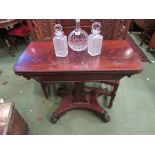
point(79, 99)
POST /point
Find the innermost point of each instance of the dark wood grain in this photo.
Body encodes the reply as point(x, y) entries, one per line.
point(117, 56)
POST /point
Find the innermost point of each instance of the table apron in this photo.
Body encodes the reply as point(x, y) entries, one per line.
point(75, 77)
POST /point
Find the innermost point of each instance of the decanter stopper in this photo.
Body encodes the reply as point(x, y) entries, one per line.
point(95, 40)
point(58, 30)
point(60, 42)
point(96, 26)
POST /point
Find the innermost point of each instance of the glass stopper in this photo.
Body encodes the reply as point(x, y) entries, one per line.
point(77, 20)
point(58, 29)
point(96, 27)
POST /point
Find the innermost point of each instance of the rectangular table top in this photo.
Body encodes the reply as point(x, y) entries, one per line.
point(116, 56)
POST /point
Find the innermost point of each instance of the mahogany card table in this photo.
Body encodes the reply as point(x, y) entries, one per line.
point(117, 60)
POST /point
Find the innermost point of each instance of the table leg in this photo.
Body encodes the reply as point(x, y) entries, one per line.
point(10, 47)
point(46, 89)
point(4, 36)
point(78, 99)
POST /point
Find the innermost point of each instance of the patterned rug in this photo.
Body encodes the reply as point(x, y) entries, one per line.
point(139, 52)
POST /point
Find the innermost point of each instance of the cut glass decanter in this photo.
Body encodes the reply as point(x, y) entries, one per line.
point(77, 39)
point(60, 42)
point(95, 40)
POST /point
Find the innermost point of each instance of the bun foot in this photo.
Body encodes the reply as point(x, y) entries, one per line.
point(54, 118)
point(105, 117)
point(110, 106)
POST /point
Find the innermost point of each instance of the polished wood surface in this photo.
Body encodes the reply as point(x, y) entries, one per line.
point(38, 61)
point(117, 56)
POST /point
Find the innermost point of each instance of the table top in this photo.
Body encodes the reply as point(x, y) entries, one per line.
point(117, 56)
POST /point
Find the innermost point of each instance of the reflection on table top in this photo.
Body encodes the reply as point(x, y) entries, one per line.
point(117, 56)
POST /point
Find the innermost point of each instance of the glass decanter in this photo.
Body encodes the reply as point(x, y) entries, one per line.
point(60, 42)
point(95, 40)
point(77, 39)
